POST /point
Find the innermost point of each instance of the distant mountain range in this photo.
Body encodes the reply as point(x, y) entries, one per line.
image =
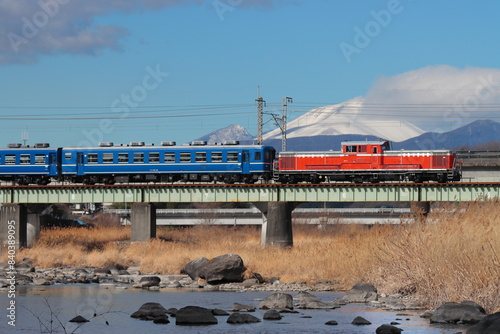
point(325, 135)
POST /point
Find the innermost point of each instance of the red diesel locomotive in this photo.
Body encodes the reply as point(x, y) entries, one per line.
point(367, 161)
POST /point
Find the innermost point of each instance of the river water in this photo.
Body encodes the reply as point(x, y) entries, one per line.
point(34, 305)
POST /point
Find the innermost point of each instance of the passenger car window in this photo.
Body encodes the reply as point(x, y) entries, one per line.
point(154, 157)
point(122, 158)
point(92, 158)
point(232, 156)
point(185, 157)
point(138, 157)
point(107, 158)
point(10, 159)
point(216, 156)
point(39, 159)
point(169, 157)
point(201, 156)
point(25, 159)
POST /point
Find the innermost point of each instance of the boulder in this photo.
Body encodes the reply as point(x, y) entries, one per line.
point(79, 319)
point(331, 323)
point(102, 271)
point(488, 325)
point(219, 312)
point(388, 329)
point(161, 320)
point(305, 300)
point(149, 281)
point(195, 269)
point(237, 307)
point(195, 315)
point(224, 269)
point(464, 313)
point(149, 311)
point(359, 321)
point(361, 293)
point(272, 315)
point(242, 318)
point(277, 300)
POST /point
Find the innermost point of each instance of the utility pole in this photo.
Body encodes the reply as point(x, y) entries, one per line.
point(260, 111)
point(286, 100)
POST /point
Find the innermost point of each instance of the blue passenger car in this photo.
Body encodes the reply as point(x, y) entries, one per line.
point(28, 165)
point(166, 163)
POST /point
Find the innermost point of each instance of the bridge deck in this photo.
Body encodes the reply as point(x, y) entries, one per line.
point(341, 192)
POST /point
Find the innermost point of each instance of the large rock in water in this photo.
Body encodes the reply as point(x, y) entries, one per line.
point(466, 312)
point(221, 269)
point(361, 293)
point(195, 269)
point(277, 300)
point(488, 325)
point(150, 311)
point(195, 315)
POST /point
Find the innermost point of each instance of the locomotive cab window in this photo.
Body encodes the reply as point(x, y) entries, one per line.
point(122, 158)
point(139, 157)
point(216, 156)
point(232, 156)
point(201, 156)
point(351, 148)
point(257, 156)
point(169, 157)
point(40, 159)
point(185, 157)
point(25, 159)
point(154, 157)
point(107, 158)
point(92, 158)
point(10, 159)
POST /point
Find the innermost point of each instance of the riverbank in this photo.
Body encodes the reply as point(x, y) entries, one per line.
point(452, 255)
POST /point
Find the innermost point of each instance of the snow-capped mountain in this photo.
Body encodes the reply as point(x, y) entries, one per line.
point(231, 132)
point(346, 119)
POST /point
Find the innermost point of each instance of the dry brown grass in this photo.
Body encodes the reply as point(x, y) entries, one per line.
point(453, 255)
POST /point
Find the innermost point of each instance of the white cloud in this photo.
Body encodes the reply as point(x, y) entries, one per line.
point(437, 98)
point(30, 28)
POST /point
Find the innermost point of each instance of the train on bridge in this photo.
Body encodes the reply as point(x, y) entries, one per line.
point(358, 161)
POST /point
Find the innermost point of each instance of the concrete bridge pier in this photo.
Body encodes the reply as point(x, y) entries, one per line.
point(421, 208)
point(143, 220)
point(13, 227)
point(277, 223)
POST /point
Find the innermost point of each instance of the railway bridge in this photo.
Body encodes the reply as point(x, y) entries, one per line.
point(276, 201)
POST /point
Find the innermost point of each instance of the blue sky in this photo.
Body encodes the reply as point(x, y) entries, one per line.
point(76, 72)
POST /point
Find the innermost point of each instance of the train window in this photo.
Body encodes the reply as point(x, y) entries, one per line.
point(67, 155)
point(25, 159)
point(362, 148)
point(154, 157)
point(201, 156)
point(185, 157)
point(107, 158)
point(122, 158)
point(257, 156)
point(232, 156)
point(138, 157)
point(351, 148)
point(169, 157)
point(39, 159)
point(216, 156)
point(92, 158)
point(10, 159)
